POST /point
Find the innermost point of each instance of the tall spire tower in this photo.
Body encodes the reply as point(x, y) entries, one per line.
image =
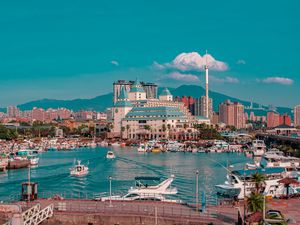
point(206, 87)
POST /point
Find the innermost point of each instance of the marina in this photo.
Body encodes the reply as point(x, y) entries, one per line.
point(53, 173)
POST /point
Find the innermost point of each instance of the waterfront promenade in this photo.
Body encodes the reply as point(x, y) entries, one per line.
point(71, 212)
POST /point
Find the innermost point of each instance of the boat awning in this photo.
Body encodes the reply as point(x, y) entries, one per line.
point(147, 178)
point(259, 170)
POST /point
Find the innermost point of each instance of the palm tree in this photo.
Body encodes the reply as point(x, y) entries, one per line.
point(259, 180)
point(168, 130)
point(127, 128)
point(255, 202)
point(147, 128)
point(122, 131)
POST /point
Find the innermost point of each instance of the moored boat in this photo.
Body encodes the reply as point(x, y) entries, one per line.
point(79, 169)
point(148, 189)
point(110, 155)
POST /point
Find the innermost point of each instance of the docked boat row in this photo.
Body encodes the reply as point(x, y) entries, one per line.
point(272, 164)
point(217, 146)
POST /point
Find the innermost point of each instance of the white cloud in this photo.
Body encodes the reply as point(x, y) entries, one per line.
point(277, 80)
point(228, 79)
point(193, 61)
point(241, 62)
point(114, 62)
point(183, 77)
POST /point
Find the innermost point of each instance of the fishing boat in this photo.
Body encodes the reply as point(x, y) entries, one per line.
point(110, 155)
point(79, 169)
point(148, 189)
point(31, 155)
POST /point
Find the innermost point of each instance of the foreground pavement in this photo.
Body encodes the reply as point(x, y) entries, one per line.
point(124, 212)
point(290, 208)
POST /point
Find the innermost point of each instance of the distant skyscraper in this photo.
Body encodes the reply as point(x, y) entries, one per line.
point(232, 114)
point(38, 114)
point(273, 119)
point(285, 119)
point(149, 88)
point(188, 101)
point(197, 107)
point(297, 115)
point(13, 111)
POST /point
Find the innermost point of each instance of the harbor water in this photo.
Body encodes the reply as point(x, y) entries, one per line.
point(53, 172)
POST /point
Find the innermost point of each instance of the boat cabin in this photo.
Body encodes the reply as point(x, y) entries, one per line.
point(146, 181)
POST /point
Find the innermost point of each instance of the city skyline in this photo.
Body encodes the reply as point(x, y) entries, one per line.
point(66, 52)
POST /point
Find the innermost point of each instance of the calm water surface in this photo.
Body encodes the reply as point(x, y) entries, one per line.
point(53, 175)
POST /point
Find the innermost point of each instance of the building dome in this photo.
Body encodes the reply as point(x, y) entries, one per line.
point(166, 95)
point(165, 92)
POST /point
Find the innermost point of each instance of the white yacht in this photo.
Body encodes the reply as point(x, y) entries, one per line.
point(147, 192)
point(110, 155)
point(274, 160)
point(174, 146)
point(258, 148)
point(79, 169)
point(221, 144)
point(239, 184)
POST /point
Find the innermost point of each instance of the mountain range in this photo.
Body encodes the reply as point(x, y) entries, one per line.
point(100, 103)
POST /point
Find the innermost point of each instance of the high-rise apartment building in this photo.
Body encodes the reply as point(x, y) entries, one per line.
point(285, 119)
point(13, 111)
point(297, 115)
point(273, 119)
point(38, 114)
point(232, 114)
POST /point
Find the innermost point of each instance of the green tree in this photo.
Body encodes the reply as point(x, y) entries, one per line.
point(255, 202)
point(259, 181)
point(7, 134)
point(122, 131)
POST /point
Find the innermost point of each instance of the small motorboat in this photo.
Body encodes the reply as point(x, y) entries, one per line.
point(156, 149)
point(79, 169)
point(142, 148)
point(110, 155)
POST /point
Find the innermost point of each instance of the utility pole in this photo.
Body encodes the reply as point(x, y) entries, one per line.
point(110, 203)
point(29, 189)
point(197, 188)
point(244, 196)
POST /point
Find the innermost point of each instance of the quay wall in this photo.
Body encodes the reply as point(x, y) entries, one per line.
point(96, 219)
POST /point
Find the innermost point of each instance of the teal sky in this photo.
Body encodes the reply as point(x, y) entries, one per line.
point(76, 49)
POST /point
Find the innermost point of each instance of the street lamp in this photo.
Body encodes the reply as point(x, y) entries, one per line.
point(197, 184)
point(110, 179)
point(244, 194)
